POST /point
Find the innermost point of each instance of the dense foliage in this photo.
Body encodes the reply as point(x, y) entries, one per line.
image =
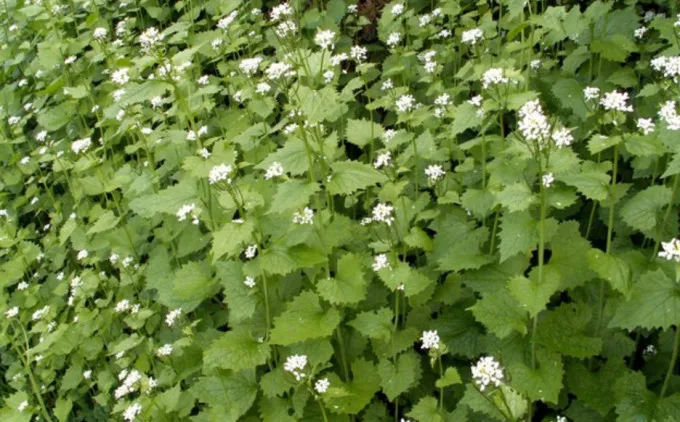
point(322, 211)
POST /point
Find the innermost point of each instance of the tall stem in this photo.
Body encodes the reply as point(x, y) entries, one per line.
point(671, 365)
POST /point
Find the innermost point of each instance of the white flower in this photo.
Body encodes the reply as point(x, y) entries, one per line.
point(295, 364)
point(281, 10)
point(383, 213)
point(405, 103)
point(352, 8)
point(156, 101)
point(615, 100)
point(100, 33)
point(70, 59)
point(290, 128)
point(274, 170)
point(424, 20)
point(430, 66)
point(397, 9)
point(640, 32)
point(219, 173)
point(384, 159)
point(216, 43)
point(535, 64)
point(13, 120)
point(430, 340)
point(669, 115)
point(338, 58)
point(203, 152)
point(487, 371)
point(87, 374)
point(393, 39)
point(646, 126)
point(82, 254)
point(120, 76)
point(389, 134)
point(165, 350)
point(562, 137)
point(227, 20)
point(670, 66)
point(40, 313)
point(185, 210)
point(132, 411)
point(122, 306)
point(250, 251)
point(387, 85)
point(118, 94)
point(561, 419)
point(358, 53)
point(442, 100)
point(434, 172)
point(476, 101)
point(22, 406)
point(285, 28)
point(547, 179)
point(22, 286)
point(321, 386)
point(444, 33)
point(25, 160)
point(120, 115)
point(533, 124)
point(203, 80)
point(494, 76)
point(472, 36)
point(250, 66)
point(150, 38)
point(249, 281)
point(380, 262)
point(591, 93)
point(649, 351)
point(12, 312)
point(172, 316)
point(278, 70)
point(671, 250)
point(304, 217)
point(324, 39)
point(263, 88)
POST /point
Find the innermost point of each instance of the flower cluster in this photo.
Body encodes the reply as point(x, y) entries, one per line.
point(295, 364)
point(487, 372)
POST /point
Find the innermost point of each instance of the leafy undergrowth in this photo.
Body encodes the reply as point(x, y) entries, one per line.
point(323, 211)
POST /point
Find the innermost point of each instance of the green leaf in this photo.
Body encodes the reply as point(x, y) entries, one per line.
point(642, 211)
point(304, 318)
point(292, 195)
point(516, 197)
point(595, 388)
point(465, 118)
point(654, 303)
point(450, 377)
point(55, 118)
point(350, 176)
point(570, 255)
point(236, 350)
point(426, 410)
point(611, 268)
point(292, 157)
point(592, 181)
point(232, 395)
point(599, 143)
point(570, 94)
point(564, 330)
point(533, 294)
point(349, 284)
point(239, 299)
point(374, 324)
point(193, 283)
point(230, 239)
point(106, 221)
point(477, 402)
point(167, 201)
point(673, 166)
point(399, 376)
point(500, 313)
point(359, 392)
point(543, 383)
point(361, 132)
point(320, 105)
point(401, 273)
point(518, 234)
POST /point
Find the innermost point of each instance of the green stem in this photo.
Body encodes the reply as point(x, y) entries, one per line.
point(671, 365)
point(323, 411)
point(441, 375)
point(27, 365)
point(343, 355)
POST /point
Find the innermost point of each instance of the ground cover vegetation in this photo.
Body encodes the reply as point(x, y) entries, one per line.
point(325, 211)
